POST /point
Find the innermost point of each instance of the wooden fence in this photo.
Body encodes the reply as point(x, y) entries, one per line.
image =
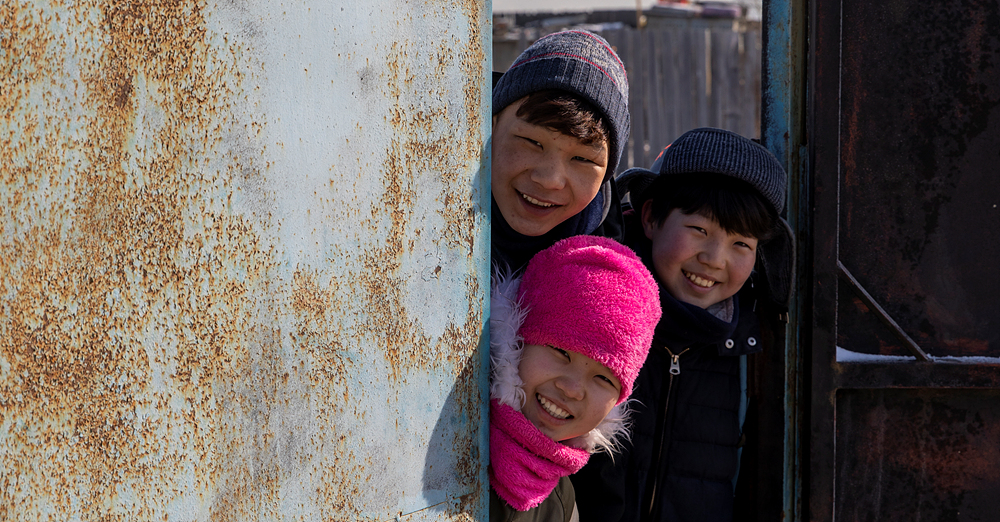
point(682, 74)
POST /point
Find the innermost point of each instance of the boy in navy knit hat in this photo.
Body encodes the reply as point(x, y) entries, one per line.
point(703, 216)
point(560, 122)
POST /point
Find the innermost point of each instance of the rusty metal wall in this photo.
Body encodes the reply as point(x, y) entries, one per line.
point(903, 125)
point(919, 188)
point(906, 455)
point(243, 265)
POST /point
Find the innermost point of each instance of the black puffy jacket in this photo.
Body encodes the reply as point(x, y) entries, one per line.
point(683, 454)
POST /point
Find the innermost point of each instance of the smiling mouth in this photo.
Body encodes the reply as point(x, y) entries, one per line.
point(704, 283)
point(537, 203)
point(552, 409)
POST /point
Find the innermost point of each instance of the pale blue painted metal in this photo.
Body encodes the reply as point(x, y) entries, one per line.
point(244, 260)
point(782, 121)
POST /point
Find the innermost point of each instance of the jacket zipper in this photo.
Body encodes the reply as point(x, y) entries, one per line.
point(675, 369)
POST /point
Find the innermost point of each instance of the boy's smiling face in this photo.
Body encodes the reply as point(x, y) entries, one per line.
point(567, 394)
point(541, 177)
point(698, 261)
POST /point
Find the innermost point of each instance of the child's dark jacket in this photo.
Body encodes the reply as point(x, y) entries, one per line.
point(558, 507)
point(511, 250)
point(683, 455)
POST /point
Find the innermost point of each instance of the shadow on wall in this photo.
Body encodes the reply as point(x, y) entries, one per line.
point(458, 448)
point(459, 445)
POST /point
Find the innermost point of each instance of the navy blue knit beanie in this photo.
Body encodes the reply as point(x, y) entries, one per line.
point(581, 63)
point(718, 151)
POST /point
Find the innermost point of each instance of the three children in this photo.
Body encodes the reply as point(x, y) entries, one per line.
point(560, 122)
point(711, 200)
point(567, 340)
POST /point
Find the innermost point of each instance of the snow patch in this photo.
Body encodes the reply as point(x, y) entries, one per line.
point(845, 355)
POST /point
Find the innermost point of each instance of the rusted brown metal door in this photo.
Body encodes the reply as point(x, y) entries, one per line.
point(903, 276)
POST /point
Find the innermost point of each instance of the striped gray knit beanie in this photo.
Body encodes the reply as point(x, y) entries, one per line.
point(581, 63)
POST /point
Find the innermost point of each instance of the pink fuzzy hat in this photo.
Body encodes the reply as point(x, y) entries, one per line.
point(592, 295)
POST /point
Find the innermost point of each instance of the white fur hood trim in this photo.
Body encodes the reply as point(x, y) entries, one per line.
point(506, 386)
point(506, 317)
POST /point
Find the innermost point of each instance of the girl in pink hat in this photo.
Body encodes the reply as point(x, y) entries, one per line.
point(567, 340)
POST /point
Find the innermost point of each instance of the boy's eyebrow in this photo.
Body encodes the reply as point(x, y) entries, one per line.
point(595, 145)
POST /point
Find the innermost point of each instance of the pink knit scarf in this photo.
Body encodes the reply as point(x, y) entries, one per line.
point(526, 465)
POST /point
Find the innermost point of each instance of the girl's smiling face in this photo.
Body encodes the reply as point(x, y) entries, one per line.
point(567, 394)
point(698, 261)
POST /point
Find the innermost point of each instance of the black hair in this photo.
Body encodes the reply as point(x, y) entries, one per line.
point(567, 113)
point(735, 204)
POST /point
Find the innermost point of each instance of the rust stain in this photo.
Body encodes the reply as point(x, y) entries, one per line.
point(426, 140)
point(969, 347)
point(319, 334)
point(442, 138)
point(140, 357)
point(921, 453)
point(125, 284)
point(474, 71)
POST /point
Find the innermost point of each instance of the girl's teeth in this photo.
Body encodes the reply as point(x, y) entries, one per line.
point(552, 409)
point(534, 201)
point(704, 283)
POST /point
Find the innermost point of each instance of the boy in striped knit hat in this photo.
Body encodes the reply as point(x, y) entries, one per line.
point(560, 123)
